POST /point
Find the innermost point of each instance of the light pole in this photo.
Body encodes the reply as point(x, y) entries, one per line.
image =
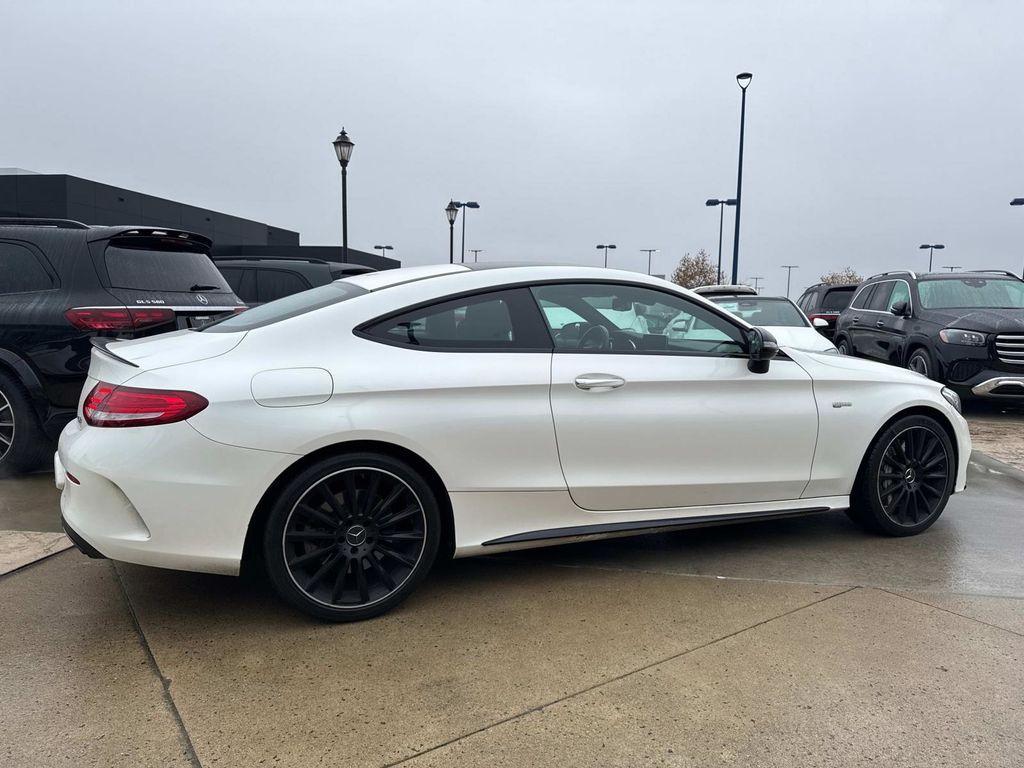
point(721, 221)
point(789, 272)
point(743, 80)
point(952, 269)
point(931, 250)
point(649, 252)
point(452, 211)
point(606, 247)
point(476, 252)
point(1018, 201)
point(343, 149)
point(757, 283)
point(383, 248)
point(465, 205)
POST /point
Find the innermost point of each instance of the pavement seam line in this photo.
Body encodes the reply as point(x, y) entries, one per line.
point(947, 610)
point(615, 679)
point(42, 559)
point(165, 683)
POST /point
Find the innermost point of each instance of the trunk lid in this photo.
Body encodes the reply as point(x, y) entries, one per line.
point(117, 361)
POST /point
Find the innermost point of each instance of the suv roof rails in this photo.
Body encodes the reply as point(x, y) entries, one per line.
point(303, 259)
point(17, 221)
point(1006, 272)
point(912, 274)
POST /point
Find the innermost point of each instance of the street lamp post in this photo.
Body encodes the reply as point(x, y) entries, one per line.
point(476, 252)
point(383, 248)
point(952, 269)
point(743, 80)
point(757, 283)
point(452, 211)
point(606, 248)
point(343, 149)
point(649, 252)
point(471, 204)
point(1018, 201)
point(789, 272)
point(721, 221)
point(932, 248)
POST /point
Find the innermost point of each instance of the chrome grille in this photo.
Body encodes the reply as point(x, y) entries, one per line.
point(1010, 348)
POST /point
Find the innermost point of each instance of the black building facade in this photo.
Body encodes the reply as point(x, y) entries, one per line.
point(59, 196)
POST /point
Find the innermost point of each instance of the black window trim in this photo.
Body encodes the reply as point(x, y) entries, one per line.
point(363, 329)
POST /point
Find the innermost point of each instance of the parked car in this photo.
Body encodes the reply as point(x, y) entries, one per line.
point(62, 283)
point(965, 329)
point(259, 279)
point(782, 317)
point(726, 290)
point(824, 302)
point(346, 436)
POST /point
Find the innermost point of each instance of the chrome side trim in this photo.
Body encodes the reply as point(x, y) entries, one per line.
point(985, 388)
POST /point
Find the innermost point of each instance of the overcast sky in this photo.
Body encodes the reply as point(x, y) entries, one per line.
point(871, 127)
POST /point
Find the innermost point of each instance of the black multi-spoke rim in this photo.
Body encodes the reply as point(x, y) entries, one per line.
point(354, 537)
point(919, 364)
point(913, 476)
point(6, 426)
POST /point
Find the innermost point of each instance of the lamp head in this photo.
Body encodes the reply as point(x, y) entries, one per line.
point(743, 79)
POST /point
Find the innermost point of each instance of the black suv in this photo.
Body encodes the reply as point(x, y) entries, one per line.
point(825, 302)
point(965, 329)
point(63, 283)
point(259, 279)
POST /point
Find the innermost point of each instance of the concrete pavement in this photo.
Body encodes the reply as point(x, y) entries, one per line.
point(792, 642)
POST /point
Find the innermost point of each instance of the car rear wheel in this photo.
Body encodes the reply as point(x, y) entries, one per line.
point(23, 446)
point(351, 537)
point(843, 346)
point(907, 478)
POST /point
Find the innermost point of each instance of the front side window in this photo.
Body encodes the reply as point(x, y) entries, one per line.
point(605, 317)
point(20, 271)
point(900, 292)
point(489, 321)
point(971, 292)
point(764, 311)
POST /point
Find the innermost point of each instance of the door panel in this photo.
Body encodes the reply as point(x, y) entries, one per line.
point(681, 430)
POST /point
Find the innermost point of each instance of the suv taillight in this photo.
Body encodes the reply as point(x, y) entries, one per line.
point(118, 319)
point(108, 405)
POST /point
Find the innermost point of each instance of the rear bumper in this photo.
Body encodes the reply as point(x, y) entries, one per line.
point(163, 496)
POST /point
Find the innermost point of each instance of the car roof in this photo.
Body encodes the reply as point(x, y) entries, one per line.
point(749, 296)
point(725, 290)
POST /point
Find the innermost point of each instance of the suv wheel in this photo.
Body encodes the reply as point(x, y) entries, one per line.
point(352, 536)
point(843, 346)
point(907, 478)
point(23, 446)
point(920, 361)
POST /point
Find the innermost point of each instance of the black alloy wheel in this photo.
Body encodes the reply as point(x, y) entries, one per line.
point(921, 362)
point(843, 347)
point(907, 479)
point(352, 539)
point(23, 445)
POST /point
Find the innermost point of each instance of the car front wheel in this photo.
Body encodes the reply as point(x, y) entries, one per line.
point(907, 478)
point(352, 536)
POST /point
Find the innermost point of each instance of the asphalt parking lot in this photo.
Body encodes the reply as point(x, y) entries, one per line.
point(796, 642)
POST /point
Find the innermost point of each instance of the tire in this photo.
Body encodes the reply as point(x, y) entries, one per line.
point(352, 536)
point(843, 346)
point(23, 444)
point(921, 361)
point(907, 478)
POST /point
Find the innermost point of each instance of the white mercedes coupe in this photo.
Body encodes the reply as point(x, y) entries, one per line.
point(346, 437)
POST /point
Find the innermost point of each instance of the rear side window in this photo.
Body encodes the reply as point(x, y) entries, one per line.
point(242, 282)
point(837, 299)
point(863, 296)
point(880, 297)
point(20, 271)
point(275, 284)
point(489, 321)
point(288, 307)
point(142, 269)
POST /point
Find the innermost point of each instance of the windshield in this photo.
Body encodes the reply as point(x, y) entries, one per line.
point(837, 299)
point(972, 292)
point(142, 269)
point(764, 311)
point(290, 306)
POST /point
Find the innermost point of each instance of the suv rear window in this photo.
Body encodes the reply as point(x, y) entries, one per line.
point(837, 299)
point(144, 269)
point(290, 306)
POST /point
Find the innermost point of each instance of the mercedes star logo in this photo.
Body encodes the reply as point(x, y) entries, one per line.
point(202, 299)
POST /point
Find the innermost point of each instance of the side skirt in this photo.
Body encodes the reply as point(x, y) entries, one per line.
point(600, 530)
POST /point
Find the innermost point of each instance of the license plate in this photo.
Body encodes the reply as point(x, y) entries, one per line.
point(195, 321)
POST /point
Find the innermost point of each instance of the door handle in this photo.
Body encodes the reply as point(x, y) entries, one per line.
point(598, 381)
point(856, 318)
point(880, 323)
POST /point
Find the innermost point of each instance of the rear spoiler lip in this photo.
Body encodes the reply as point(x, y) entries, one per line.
point(101, 345)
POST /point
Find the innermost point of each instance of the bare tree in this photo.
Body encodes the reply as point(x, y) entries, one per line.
point(695, 270)
point(841, 276)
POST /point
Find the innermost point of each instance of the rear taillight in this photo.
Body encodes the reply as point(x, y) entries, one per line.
point(108, 405)
point(118, 319)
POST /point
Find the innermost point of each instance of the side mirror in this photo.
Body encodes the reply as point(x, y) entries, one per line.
point(899, 309)
point(762, 347)
point(819, 322)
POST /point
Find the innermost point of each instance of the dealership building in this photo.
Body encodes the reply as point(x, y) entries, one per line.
point(26, 194)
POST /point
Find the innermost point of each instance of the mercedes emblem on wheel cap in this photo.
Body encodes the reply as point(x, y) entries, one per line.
point(355, 535)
